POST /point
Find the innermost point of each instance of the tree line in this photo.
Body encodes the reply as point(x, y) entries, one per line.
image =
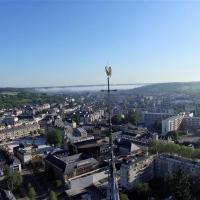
point(21, 98)
point(132, 117)
point(171, 148)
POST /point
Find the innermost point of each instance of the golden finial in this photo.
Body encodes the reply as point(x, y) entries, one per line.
point(108, 71)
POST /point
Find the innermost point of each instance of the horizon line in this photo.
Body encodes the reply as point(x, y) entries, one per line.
point(93, 85)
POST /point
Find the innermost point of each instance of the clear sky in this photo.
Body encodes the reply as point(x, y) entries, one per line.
point(48, 43)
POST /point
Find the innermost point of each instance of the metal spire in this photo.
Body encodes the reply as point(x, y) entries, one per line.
point(112, 191)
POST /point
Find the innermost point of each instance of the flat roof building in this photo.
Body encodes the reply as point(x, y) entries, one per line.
point(77, 171)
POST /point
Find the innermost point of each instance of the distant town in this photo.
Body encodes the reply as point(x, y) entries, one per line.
point(56, 145)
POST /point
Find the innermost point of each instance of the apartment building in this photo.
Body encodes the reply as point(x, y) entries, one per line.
point(18, 131)
point(166, 164)
point(136, 170)
point(172, 124)
point(185, 121)
point(149, 118)
point(191, 123)
point(42, 107)
point(94, 116)
point(159, 166)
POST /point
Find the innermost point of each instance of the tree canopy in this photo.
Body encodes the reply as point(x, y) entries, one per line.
point(13, 179)
point(140, 191)
point(6, 170)
point(72, 148)
point(10, 99)
point(175, 135)
point(116, 119)
point(123, 196)
point(133, 118)
point(161, 147)
point(54, 137)
point(182, 185)
point(31, 192)
point(52, 196)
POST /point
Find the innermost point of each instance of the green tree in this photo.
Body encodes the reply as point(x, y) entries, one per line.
point(194, 186)
point(31, 192)
point(182, 185)
point(133, 118)
point(161, 147)
point(116, 119)
point(173, 135)
point(54, 137)
point(140, 191)
point(72, 148)
point(58, 183)
point(6, 171)
point(14, 180)
point(52, 196)
point(123, 196)
point(75, 119)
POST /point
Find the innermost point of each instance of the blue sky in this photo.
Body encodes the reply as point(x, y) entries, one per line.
point(48, 42)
